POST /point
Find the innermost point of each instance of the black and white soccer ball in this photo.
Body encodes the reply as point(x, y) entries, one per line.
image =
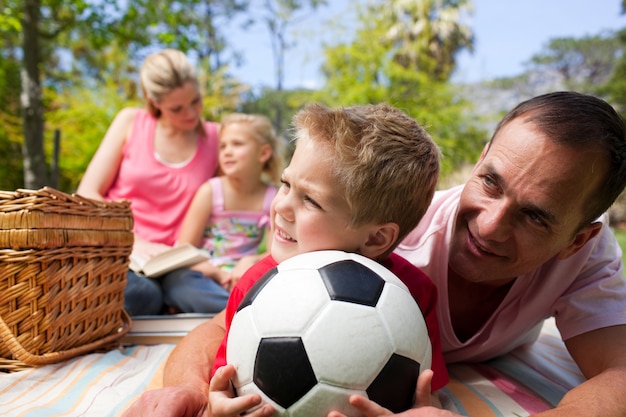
point(322, 326)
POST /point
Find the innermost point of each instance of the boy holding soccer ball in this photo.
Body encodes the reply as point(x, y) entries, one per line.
point(359, 181)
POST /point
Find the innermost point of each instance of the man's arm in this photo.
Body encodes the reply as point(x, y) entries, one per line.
point(601, 356)
point(191, 361)
point(185, 391)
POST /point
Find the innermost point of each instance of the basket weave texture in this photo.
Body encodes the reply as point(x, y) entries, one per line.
point(63, 264)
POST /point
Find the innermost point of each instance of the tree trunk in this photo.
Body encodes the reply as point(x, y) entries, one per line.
point(35, 170)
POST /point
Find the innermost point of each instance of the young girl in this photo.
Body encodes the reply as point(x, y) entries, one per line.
point(230, 213)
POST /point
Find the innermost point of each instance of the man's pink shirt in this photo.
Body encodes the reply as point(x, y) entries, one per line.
point(584, 292)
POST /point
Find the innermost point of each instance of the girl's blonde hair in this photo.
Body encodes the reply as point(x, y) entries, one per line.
point(264, 132)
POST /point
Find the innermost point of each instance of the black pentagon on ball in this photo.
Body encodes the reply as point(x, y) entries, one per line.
point(256, 288)
point(353, 282)
point(394, 387)
point(282, 370)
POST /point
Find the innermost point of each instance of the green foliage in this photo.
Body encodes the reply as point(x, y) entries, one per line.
point(591, 64)
point(584, 63)
point(9, 22)
point(264, 103)
point(355, 72)
point(279, 16)
point(82, 117)
point(425, 34)
point(615, 87)
point(62, 53)
point(188, 25)
point(222, 94)
point(11, 168)
point(379, 65)
point(403, 53)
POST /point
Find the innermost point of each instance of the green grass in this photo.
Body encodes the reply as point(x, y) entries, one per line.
point(621, 238)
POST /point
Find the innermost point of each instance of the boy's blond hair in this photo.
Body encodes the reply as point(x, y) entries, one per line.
point(386, 164)
point(264, 133)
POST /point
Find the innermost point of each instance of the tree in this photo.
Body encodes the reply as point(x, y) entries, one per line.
point(40, 23)
point(69, 32)
point(615, 87)
point(11, 170)
point(382, 63)
point(35, 172)
point(264, 101)
point(583, 64)
point(279, 16)
point(427, 34)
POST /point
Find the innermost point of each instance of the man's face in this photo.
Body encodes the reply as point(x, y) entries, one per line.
point(522, 205)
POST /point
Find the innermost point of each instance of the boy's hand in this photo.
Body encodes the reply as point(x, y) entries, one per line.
point(222, 402)
point(423, 395)
point(370, 409)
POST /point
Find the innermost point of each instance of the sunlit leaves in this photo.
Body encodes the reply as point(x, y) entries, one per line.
point(392, 59)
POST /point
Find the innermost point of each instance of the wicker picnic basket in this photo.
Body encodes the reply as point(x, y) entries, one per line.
point(63, 263)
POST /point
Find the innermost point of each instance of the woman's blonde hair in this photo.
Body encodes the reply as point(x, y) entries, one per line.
point(161, 73)
point(263, 131)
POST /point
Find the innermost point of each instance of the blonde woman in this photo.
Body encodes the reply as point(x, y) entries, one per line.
point(156, 158)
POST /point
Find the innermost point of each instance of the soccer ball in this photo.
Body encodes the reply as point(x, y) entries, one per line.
point(322, 326)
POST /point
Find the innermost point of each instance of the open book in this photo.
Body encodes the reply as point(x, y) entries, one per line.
point(174, 258)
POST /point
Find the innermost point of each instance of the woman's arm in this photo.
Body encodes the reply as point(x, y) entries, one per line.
point(197, 216)
point(105, 163)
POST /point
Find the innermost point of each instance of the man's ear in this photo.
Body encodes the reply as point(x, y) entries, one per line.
point(580, 239)
point(380, 240)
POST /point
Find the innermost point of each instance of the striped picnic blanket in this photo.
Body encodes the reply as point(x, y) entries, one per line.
point(528, 380)
point(98, 384)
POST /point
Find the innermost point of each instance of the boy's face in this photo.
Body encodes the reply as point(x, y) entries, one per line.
point(309, 212)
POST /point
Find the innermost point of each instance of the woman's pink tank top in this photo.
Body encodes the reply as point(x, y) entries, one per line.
point(160, 194)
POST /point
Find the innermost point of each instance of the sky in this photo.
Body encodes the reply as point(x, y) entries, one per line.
point(507, 34)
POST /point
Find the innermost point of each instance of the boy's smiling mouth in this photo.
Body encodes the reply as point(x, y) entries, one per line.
point(282, 234)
